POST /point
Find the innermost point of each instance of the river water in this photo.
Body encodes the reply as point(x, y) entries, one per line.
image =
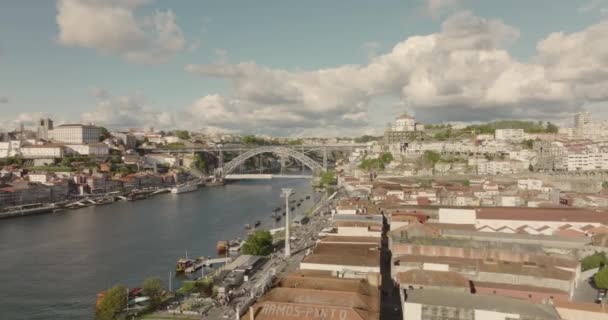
point(52, 266)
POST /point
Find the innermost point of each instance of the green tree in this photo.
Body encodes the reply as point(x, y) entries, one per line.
point(551, 128)
point(153, 288)
point(105, 134)
point(199, 162)
point(328, 178)
point(605, 184)
point(431, 157)
point(593, 261)
point(259, 243)
point(386, 158)
point(601, 279)
point(114, 301)
point(182, 134)
point(528, 143)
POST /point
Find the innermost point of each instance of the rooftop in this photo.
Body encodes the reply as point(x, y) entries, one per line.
point(543, 214)
point(433, 278)
point(481, 302)
point(345, 254)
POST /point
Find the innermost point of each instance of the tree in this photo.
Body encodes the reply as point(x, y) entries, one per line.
point(386, 158)
point(182, 134)
point(105, 134)
point(431, 157)
point(199, 162)
point(328, 178)
point(114, 301)
point(528, 143)
point(551, 128)
point(605, 184)
point(153, 288)
point(593, 261)
point(259, 243)
point(601, 279)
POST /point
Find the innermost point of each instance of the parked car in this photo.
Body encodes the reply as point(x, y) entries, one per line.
point(601, 295)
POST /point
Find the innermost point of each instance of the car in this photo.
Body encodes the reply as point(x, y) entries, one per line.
point(601, 295)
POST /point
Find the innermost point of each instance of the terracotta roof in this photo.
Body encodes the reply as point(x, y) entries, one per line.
point(535, 270)
point(543, 214)
point(516, 287)
point(432, 278)
point(345, 254)
point(348, 239)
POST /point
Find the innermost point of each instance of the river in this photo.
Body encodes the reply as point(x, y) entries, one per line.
point(52, 266)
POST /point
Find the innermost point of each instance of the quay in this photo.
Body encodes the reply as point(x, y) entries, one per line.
point(206, 262)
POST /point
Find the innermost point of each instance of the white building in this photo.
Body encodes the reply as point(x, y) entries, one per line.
point(405, 123)
point(587, 161)
point(513, 135)
point(76, 134)
point(47, 151)
point(92, 150)
point(40, 177)
point(529, 184)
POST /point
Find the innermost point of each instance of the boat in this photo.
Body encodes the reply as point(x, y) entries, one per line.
point(257, 223)
point(299, 204)
point(292, 208)
point(183, 264)
point(247, 226)
point(183, 188)
point(307, 197)
point(277, 218)
point(277, 209)
point(222, 246)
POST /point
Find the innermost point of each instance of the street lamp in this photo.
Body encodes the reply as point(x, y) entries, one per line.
point(286, 192)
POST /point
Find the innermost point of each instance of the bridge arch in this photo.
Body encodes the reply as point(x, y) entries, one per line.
point(238, 161)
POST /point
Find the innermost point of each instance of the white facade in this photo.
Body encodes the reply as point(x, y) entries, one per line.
point(405, 123)
point(42, 152)
point(39, 177)
point(93, 150)
point(587, 161)
point(76, 134)
point(529, 184)
point(514, 135)
point(457, 216)
point(501, 167)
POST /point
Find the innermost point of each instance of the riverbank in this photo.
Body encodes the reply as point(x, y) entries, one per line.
point(68, 257)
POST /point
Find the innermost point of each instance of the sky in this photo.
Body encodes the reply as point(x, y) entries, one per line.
point(300, 68)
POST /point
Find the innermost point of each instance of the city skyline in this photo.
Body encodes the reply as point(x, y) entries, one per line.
point(299, 69)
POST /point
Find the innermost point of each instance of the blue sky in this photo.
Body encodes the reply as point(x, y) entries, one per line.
point(76, 78)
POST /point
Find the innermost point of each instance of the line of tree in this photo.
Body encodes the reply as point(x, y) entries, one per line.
point(527, 126)
point(378, 163)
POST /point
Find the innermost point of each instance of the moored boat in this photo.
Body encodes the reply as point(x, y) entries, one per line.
point(186, 187)
point(183, 264)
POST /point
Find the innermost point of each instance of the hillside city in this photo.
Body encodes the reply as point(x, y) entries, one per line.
point(498, 220)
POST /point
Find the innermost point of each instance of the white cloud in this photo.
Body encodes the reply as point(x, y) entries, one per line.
point(126, 112)
point(462, 72)
point(435, 8)
point(111, 27)
point(28, 119)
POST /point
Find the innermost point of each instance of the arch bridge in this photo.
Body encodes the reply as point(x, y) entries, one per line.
point(229, 167)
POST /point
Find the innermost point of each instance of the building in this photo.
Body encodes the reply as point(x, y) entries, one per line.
point(76, 134)
point(344, 260)
point(587, 161)
point(127, 139)
point(46, 151)
point(405, 122)
point(94, 150)
point(45, 126)
point(511, 135)
point(551, 155)
point(434, 304)
point(404, 130)
point(314, 295)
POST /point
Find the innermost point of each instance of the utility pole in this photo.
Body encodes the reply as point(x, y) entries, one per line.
point(286, 192)
point(170, 287)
